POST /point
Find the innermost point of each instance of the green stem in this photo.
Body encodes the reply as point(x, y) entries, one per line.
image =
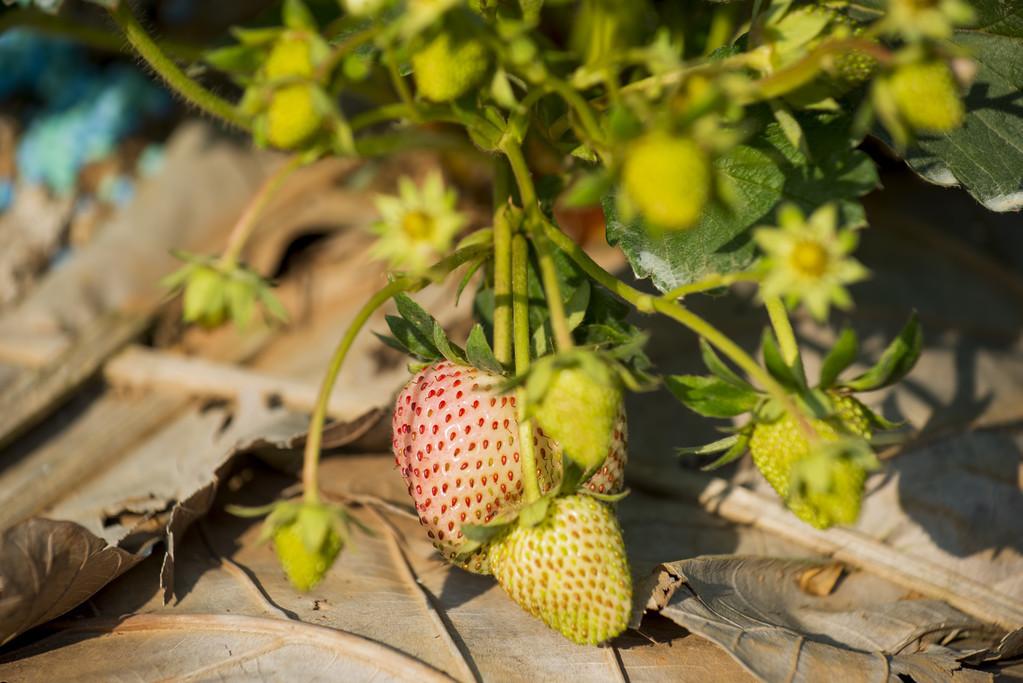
point(502, 270)
point(310, 481)
point(520, 303)
point(401, 87)
point(646, 303)
point(520, 169)
point(346, 47)
point(310, 466)
point(710, 282)
point(552, 293)
point(190, 90)
point(548, 271)
point(782, 329)
point(242, 230)
point(387, 112)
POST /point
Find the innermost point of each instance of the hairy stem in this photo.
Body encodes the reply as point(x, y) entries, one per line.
point(401, 87)
point(646, 303)
point(552, 293)
point(782, 329)
point(310, 464)
point(710, 282)
point(170, 72)
point(242, 230)
point(520, 298)
point(83, 34)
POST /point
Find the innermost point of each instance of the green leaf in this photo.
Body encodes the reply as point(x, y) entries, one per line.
point(896, 361)
point(479, 353)
point(840, 357)
point(761, 174)
point(710, 396)
point(790, 377)
point(575, 307)
point(985, 156)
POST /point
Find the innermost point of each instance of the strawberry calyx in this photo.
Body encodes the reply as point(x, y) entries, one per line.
point(307, 536)
point(817, 460)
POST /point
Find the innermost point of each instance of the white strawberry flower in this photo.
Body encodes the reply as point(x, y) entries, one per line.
point(418, 225)
point(807, 260)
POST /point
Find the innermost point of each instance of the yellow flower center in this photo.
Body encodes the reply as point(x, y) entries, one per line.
point(809, 258)
point(417, 224)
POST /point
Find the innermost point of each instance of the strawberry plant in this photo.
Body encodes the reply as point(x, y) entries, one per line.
point(722, 142)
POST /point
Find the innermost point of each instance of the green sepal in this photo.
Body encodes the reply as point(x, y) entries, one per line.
point(718, 367)
point(296, 15)
point(236, 59)
point(535, 512)
point(792, 377)
point(451, 352)
point(709, 448)
point(256, 37)
point(478, 351)
point(711, 396)
point(895, 363)
point(735, 452)
point(840, 357)
point(606, 497)
point(408, 339)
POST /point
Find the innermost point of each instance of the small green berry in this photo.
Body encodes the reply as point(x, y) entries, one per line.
point(448, 67)
point(927, 97)
point(293, 116)
point(668, 179)
point(305, 568)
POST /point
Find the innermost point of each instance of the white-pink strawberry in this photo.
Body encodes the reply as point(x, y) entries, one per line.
point(456, 441)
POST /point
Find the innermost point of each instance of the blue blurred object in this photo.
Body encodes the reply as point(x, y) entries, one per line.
point(116, 189)
point(6, 194)
point(84, 111)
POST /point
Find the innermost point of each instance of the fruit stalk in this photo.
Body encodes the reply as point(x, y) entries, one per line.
point(247, 222)
point(163, 65)
point(520, 318)
point(645, 303)
point(502, 265)
point(310, 477)
point(548, 271)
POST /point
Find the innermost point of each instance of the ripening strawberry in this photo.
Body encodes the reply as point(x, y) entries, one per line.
point(927, 97)
point(777, 446)
point(456, 442)
point(289, 57)
point(668, 179)
point(304, 567)
point(570, 570)
point(451, 64)
point(292, 117)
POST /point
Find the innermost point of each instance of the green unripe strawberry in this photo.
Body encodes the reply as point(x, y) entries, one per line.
point(450, 64)
point(293, 116)
point(777, 446)
point(304, 567)
point(570, 570)
point(668, 179)
point(205, 297)
point(289, 57)
point(580, 410)
point(927, 97)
